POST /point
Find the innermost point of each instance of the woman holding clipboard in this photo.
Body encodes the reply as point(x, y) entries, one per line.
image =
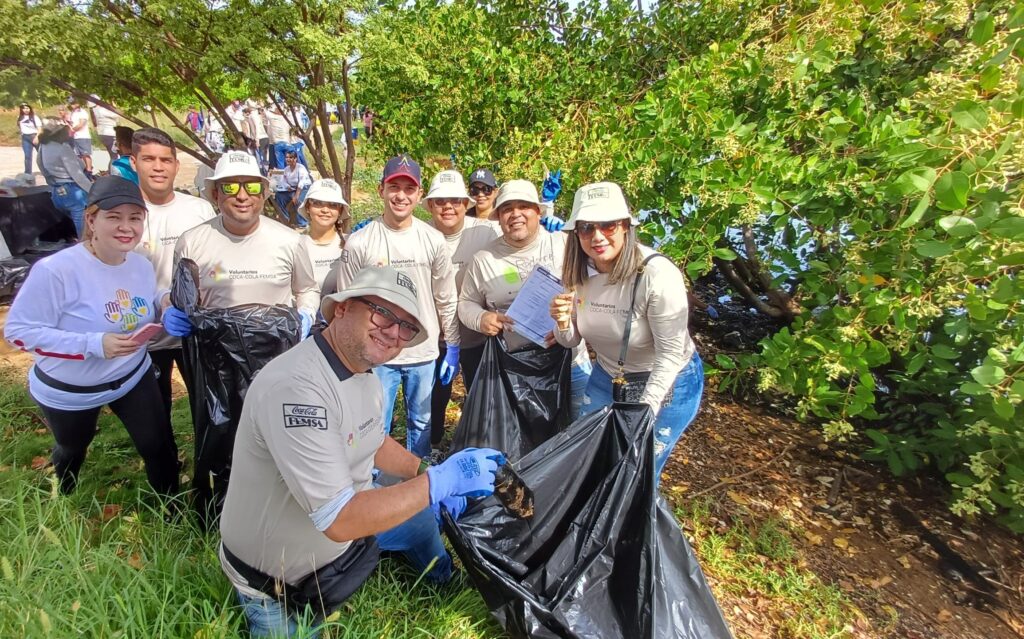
point(86, 314)
point(629, 303)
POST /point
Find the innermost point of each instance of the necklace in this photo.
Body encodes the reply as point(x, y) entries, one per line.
point(89, 247)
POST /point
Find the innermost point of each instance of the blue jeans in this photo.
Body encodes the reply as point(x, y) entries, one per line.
point(418, 539)
point(672, 419)
point(578, 387)
point(71, 199)
point(27, 147)
point(284, 198)
point(417, 381)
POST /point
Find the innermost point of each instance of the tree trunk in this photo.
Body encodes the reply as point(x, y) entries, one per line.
point(350, 147)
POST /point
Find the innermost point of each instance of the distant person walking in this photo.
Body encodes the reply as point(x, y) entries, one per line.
point(69, 185)
point(80, 135)
point(368, 124)
point(106, 121)
point(194, 120)
point(29, 125)
point(122, 166)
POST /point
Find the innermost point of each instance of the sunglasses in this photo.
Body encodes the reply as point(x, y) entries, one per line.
point(233, 188)
point(447, 201)
point(483, 188)
point(586, 229)
point(334, 206)
point(384, 319)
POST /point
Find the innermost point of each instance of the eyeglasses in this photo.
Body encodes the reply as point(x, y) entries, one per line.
point(483, 188)
point(586, 229)
point(334, 206)
point(384, 319)
point(233, 188)
point(447, 201)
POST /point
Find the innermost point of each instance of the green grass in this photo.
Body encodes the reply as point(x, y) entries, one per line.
point(759, 557)
point(103, 562)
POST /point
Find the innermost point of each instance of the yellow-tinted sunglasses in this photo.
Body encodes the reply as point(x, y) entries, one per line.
point(232, 188)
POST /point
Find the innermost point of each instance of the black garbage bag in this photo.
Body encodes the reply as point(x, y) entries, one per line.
point(519, 399)
point(226, 349)
point(13, 272)
point(602, 555)
point(33, 217)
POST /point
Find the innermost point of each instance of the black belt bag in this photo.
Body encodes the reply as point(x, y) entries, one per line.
point(95, 388)
point(629, 387)
point(323, 590)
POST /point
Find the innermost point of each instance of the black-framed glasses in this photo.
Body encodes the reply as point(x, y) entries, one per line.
point(384, 319)
point(483, 188)
point(233, 188)
point(586, 229)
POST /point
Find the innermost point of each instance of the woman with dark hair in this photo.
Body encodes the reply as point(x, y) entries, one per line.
point(327, 211)
point(629, 303)
point(69, 185)
point(28, 125)
point(78, 313)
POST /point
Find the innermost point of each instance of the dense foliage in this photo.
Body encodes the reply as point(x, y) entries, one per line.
point(853, 167)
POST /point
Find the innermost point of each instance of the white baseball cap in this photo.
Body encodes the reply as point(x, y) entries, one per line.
point(599, 202)
point(324, 190)
point(522, 190)
point(383, 282)
point(448, 184)
point(234, 164)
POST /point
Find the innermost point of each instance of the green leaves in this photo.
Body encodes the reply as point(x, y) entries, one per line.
point(988, 374)
point(958, 225)
point(951, 191)
point(918, 179)
point(970, 115)
point(1010, 228)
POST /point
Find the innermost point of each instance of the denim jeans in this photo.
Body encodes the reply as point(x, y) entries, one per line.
point(284, 198)
point(417, 381)
point(418, 539)
point(672, 419)
point(578, 387)
point(71, 199)
point(27, 147)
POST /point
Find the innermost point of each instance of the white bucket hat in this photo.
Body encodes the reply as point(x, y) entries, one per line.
point(522, 190)
point(448, 184)
point(234, 164)
point(599, 202)
point(383, 282)
point(324, 190)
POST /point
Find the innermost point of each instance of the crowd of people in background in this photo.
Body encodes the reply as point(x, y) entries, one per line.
point(401, 303)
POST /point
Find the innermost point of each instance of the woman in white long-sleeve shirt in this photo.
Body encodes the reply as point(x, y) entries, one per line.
point(76, 314)
point(603, 263)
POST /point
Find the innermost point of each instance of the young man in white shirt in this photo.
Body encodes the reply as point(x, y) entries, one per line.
point(106, 120)
point(419, 252)
point(169, 215)
point(81, 139)
point(303, 521)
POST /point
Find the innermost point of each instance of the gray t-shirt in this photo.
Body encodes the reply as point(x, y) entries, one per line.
point(306, 442)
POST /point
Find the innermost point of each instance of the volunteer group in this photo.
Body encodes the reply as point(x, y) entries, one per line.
point(403, 304)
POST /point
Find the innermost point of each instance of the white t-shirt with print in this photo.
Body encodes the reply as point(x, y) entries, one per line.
point(106, 120)
point(78, 116)
point(164, 225)
point(68, 303)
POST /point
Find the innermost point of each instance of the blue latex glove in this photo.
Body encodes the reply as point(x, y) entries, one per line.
point(455, 505)
point(552, 223)
point(467, 473)
point(307, 323)
point(450, 366)
point(361, 224)
point(552, 186)
point(176, 322)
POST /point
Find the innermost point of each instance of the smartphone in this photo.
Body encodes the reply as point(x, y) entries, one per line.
point(146, 333)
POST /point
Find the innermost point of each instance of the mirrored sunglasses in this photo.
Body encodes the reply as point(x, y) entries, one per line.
point(233, 188)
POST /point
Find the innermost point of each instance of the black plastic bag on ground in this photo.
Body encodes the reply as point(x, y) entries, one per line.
point(226, 349)
point(13, 272)
point(602, 555)
point(519, 399)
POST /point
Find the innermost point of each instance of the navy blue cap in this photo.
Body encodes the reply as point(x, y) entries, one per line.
point(483, 176)
point(401, 166)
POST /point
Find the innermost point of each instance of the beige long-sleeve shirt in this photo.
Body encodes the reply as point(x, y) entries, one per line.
point(659, 340)
point(474, 237)
point(420, 252)
point(268, 266)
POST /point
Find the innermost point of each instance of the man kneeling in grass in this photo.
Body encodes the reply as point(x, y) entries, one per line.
point(303, 521)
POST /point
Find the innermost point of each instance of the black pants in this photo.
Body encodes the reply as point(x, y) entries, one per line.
point(469, 362)
point(163, 360)
point(143, 417)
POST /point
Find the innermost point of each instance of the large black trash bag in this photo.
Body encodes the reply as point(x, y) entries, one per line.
point(519, 399)
point(602, 555)
point(226, 349)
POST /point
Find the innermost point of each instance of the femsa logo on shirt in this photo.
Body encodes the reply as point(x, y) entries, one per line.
point(304, 416)
point(125, 311)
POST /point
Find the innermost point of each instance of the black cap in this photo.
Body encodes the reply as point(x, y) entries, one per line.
point(110, 191)
point(483, 176)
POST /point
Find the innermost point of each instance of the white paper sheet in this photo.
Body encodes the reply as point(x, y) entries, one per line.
point(530, 310)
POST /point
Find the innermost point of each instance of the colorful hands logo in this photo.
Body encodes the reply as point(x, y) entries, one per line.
point(217, 273)
point(126, 310)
